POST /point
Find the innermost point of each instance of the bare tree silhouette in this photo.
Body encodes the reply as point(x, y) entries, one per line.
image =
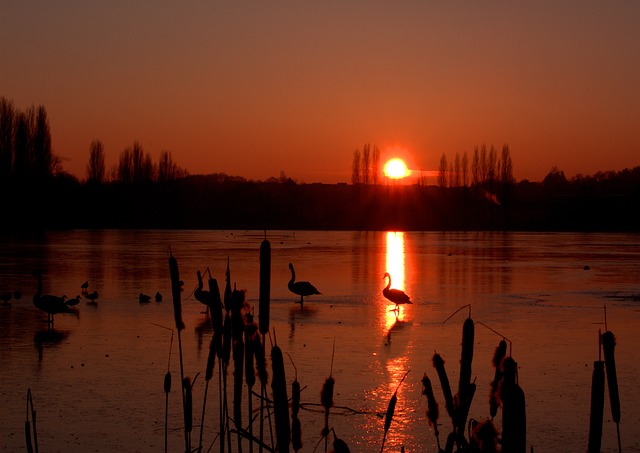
point(96, 166)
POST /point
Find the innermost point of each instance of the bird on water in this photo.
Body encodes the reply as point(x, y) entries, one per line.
point(300, 288)
point(201, 295)
point(93, 297)
point(396, 296)
point(51, 305)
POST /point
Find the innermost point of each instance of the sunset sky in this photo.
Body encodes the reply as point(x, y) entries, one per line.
point(256, 88)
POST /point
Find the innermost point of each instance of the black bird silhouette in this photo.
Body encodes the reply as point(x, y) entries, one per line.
point(158, 296)
point(300, 288)
point(73, 301)
point(85, 287)
point(51, 305)
point(144, 298)
point(396, 296)
point(202, 295)
point(93, 297)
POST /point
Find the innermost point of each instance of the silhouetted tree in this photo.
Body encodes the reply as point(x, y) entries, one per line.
point(465, 170)
point(23, 145)
point(442, 171)
point(375, 177)
point(43, 163)
point(7, 113)
point(355, 167)
point(366, 164)
point(457, 170)
point(96, 167)
point(484, 164)
point(491, 168)
point(168, 170)
point(134, 166)
point(505, 169)
point(475, 167)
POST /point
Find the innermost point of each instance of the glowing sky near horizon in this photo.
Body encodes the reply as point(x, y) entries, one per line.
point(258, 88)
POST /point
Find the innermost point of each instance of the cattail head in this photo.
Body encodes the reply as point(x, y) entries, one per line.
point(167, 382)
point(175, 291)
point(499, 354)
point(432, 405)
point(326, 396)
point(265, 285)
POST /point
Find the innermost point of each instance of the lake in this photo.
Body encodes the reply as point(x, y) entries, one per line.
point(97, 379)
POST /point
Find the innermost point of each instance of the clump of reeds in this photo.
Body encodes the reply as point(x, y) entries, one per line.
point(390, 411)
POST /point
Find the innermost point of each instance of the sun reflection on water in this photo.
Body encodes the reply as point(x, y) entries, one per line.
point(395, 266)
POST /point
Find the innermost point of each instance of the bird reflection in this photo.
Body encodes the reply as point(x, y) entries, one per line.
point(396, 296)
point(300, 288)
point(48, 338)
point(396, 327)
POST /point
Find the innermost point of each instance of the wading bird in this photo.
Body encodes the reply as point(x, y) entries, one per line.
point(144, 298)
point(201, 295)
point(51, 305)
point(396, 296)
point(300, 288)
point(85, 287)
point(158, 296)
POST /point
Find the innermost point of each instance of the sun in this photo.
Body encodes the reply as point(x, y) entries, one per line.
point(396, 169)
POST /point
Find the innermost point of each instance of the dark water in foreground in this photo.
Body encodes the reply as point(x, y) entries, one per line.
point(97, 382)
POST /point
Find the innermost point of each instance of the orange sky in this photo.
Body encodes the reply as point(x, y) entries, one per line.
point(256, 88)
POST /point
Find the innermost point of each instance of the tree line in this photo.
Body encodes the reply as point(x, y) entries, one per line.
point(138, 193)
point(25, 144)
point(26, 156)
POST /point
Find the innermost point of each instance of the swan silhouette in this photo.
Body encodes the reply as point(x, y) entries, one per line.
point(300, 288)
point(51, 305)
point(396, 296)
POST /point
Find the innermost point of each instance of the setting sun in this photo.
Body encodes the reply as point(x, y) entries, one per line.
point(395, 169)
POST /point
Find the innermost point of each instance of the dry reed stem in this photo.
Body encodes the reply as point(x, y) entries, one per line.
point(265, 286)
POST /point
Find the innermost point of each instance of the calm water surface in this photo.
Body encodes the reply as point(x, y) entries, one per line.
point(97, 381)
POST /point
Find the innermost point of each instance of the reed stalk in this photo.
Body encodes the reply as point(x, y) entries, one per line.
point(390, 411)
point(177, 313)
